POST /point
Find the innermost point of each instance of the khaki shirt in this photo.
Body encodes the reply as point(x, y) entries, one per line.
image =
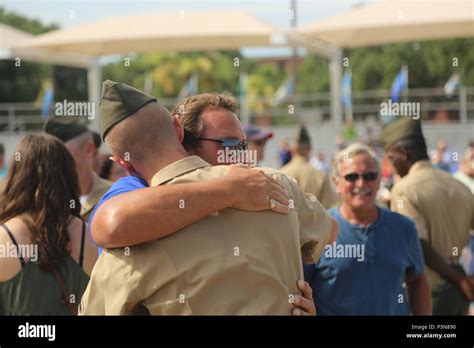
point(99, 188)
point(311, 180)
point(231, 262)
point(441, 207)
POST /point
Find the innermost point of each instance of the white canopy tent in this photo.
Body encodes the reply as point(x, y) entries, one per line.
point(180, 31)
point(9, 37)
point(391, 21)
point(160, 32)
point(11, 40)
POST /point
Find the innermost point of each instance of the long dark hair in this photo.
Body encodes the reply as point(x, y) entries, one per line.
point(42, 182)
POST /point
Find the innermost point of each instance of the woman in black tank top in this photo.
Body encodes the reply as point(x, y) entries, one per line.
point(42, 190)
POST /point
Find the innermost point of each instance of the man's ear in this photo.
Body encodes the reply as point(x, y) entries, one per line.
point(178, 128)
point(404, 153)
point(90, 148)
point(335, 180)
point(124, 164)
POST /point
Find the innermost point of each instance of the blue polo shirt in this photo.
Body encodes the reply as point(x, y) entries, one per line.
point(122, 185)
point(363, 272)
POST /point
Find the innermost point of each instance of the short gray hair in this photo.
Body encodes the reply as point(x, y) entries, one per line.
point(351, 151)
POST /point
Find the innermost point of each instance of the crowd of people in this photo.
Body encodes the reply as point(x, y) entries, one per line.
point(173, 221)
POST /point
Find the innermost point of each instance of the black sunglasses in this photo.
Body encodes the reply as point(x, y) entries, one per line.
point(370, 176)
point(231, 143)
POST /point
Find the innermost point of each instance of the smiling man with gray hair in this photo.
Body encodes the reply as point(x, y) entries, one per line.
point(376, 252)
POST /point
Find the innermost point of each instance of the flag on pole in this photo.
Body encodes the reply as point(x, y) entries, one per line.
point(399, 84)
point(452, 85)
point(347, 89)
point(47, 100)
point(286, 89)
point(45, 97)
point(190, 87)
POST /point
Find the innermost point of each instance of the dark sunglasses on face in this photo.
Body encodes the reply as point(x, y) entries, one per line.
point(353, 177)
point(231, 143)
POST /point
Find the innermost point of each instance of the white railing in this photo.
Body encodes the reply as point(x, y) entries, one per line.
point(312, 108)
point(317, 106)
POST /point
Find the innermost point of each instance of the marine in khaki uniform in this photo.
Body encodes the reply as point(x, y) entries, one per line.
point(308, 178)
point(442, 209)
point(99, 188)
point(232, 262)
point(79, 141)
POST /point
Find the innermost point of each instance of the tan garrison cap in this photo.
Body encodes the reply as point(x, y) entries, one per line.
point(118, 102)
point(405, 127)
point(63, 130)
point(302, 136)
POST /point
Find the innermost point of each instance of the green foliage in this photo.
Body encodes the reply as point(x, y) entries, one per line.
point(171, 70)
point(21, 84)
point(312, 75)
point(430, 63)
point(32, 26)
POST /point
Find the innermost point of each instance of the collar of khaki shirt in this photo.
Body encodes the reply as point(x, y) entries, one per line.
point(299, 159)
point(419, 165)
point(178, 168)
point(99, 188)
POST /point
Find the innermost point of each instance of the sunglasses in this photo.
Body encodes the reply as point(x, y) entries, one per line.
point(353, 177)
point(231, 143)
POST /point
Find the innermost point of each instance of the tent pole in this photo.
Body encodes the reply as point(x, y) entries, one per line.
point(335, 72)
point(462, 105)
point(94, 81)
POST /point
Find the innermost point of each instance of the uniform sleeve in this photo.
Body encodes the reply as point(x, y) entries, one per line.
point(415, 253)
point(109, 291)
point(405, 205)
point(315, 222)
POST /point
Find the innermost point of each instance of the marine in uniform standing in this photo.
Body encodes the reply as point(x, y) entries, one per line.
point(442, 209)
point(308, 178)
